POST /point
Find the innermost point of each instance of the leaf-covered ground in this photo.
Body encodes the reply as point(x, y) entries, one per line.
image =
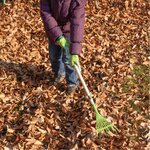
point(34, 114)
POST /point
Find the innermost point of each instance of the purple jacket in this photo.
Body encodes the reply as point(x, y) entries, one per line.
point(64, 17)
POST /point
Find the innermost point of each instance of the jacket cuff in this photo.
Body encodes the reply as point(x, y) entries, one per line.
point(75, 48)
point(55, 33)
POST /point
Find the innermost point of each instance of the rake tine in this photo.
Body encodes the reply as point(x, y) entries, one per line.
point(107, 132)
point(115, 129)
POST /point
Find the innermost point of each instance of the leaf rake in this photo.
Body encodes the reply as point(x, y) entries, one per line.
point(101, 123)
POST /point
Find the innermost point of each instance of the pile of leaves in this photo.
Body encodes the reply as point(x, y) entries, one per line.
point(35, 114)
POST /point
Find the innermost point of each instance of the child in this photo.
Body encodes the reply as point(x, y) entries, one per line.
point(64, 25)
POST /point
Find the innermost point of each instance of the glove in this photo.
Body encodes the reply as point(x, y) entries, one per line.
point(62, 42)
point(74, 59)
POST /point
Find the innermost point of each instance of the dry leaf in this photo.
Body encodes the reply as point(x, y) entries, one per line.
point(35, 114)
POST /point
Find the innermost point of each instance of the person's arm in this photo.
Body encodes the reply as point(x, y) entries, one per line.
point(52, 28)
point(77, 27)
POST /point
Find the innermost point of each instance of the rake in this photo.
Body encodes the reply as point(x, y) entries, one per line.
point(101, 123)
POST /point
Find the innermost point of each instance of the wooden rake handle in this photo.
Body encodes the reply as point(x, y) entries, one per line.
point(84, 84)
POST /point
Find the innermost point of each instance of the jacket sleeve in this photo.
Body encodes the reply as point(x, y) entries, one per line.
point(77, 27)
point(51, 26)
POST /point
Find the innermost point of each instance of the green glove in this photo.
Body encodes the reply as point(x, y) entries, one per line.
point(62, 42)
point(74, 59)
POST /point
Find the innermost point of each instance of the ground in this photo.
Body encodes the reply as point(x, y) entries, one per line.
point(34, 114)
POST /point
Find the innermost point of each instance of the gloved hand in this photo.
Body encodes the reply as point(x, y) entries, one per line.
point(62, 42)
point(74, 59)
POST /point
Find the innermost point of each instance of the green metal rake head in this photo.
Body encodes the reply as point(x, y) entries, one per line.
point(103, 125)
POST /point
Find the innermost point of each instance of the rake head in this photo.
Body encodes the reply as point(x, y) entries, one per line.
point(103, 125)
